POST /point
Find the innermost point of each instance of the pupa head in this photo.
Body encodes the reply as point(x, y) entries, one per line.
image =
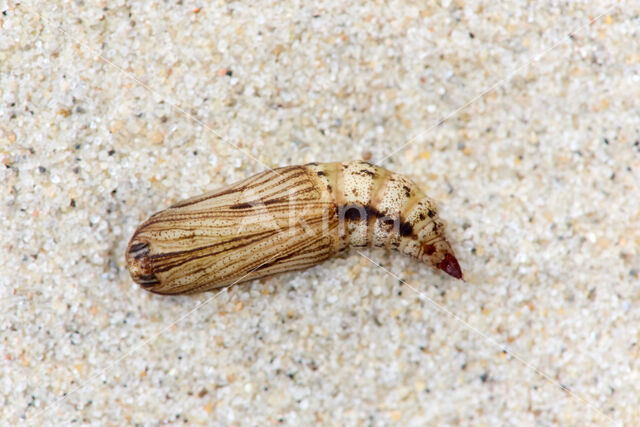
point(139, 264)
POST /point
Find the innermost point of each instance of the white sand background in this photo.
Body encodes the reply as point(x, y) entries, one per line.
point(110, 111)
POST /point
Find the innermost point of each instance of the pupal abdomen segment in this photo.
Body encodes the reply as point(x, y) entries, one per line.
point(282, 220)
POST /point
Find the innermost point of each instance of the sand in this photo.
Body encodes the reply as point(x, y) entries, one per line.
point(522, 120)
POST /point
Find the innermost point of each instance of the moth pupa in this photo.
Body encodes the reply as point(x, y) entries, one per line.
point(285, 219)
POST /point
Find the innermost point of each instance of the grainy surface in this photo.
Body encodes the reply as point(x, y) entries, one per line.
point(537, 179)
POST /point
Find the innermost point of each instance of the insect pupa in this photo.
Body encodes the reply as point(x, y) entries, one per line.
point(285, 219)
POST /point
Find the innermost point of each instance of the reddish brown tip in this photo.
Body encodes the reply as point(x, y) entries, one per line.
point(450, 266)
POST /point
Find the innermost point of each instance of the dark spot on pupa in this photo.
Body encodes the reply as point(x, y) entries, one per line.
point(329, 188)
point(138, 246)
point(387, 224)
point(321, 173)
point(429, 249)
point(241, 206)
point(407, 190)
point(406, 229)
point(355, 191)
point(368, 172)
point(421, 216)
point(353, 213)
point(272, 201)
point(431, 213)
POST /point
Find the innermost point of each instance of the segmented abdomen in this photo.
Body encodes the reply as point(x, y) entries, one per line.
point(377, 207)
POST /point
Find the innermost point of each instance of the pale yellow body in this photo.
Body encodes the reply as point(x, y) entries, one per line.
point(281, 220)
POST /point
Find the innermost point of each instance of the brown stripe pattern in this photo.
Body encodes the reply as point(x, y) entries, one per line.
point(286, 219)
